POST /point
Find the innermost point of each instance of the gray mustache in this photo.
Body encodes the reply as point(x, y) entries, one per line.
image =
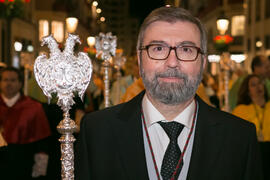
point(172, 73)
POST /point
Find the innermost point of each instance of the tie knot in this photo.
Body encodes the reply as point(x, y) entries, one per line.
point(172, 129)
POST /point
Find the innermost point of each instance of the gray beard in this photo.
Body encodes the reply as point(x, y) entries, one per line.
point(171, 93)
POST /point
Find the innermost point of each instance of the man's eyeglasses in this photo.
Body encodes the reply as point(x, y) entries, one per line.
point(162, 52)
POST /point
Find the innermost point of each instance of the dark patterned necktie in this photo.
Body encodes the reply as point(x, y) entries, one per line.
point(173, 152)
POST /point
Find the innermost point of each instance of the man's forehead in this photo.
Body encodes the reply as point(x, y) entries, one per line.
point(171, 23)
point(182, 29)
point(9, 74)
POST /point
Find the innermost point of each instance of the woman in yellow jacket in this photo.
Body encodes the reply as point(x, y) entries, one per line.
point(253, 106)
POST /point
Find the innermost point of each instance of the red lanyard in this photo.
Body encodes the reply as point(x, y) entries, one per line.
point(185, 147)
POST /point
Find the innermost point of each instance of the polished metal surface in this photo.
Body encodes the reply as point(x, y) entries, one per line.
point(106, 48)
point(64, 74)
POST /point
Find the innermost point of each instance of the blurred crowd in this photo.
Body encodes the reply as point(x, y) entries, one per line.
point(29, 138)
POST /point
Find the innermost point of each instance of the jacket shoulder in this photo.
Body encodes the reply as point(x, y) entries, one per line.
point(105, 113)
point(112, 113)
point(217, 116)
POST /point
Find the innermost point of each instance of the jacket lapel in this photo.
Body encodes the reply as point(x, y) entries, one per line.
point(129, 135)
point(207, 143)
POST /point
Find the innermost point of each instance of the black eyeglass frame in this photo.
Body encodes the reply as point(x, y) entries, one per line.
point(172, 48)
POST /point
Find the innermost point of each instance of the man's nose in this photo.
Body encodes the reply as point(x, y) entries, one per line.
point(172, 60)
point(8, 82)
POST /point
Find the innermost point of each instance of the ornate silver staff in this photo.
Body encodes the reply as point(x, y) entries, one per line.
point(106, 47)
point(64, 74)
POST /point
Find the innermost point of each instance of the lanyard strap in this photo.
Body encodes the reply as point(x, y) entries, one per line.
point(260, 119)
point(185, 147)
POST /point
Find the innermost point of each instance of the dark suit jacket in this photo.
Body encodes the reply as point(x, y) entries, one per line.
point(110, 146)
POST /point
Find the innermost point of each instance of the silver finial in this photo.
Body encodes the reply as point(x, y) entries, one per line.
point(106, 45)
point(64, 74)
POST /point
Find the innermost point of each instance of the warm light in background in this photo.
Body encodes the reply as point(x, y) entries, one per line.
point(30, 48)
point(18, 46)
point(222, 25)
point(259, 44)
point(213, 58)
point(102, 19)
point(238, 25)
point(43, 28)
point(98, 10)
point(58, 30)
point(91, 41)
point(95, 3)
point(72, 24)
point(238, 58)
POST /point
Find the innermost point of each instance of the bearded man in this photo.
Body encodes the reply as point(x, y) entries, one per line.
point(167, 132)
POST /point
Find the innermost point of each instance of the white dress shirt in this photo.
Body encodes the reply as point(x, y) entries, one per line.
point(158, 137)
point(10, 102)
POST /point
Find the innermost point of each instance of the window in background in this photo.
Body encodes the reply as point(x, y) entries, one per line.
point(43, 28)
point(238, 25)
point(58, 30)
point(258, 10)
point(267, 8)
point(249, 12)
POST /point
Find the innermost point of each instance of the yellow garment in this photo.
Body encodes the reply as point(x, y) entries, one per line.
point(248, 112)
point(202, 94)
point(136, 87)
point(2, 141)
point(34, 91)
point(118, 90)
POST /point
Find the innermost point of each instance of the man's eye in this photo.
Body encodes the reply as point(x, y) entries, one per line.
point(187, 49)
point(158, 48)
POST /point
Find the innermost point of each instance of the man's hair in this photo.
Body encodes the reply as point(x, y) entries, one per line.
point(172, 15)
point(256, 61)
point(12, 69)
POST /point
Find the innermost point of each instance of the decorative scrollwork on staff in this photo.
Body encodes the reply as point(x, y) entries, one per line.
point(64, 74)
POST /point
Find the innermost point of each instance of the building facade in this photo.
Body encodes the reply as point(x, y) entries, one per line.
point(41, 18)
point(257, 35)
point(121, 24)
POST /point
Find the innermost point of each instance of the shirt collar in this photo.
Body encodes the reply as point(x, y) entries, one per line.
point(152, 115)
point(10, 102)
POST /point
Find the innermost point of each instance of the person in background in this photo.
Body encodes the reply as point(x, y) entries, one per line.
point(167, 132)
point(268, 76)
point(2, 65)
point(259, 66)
point(211, 87)
point(130, 75)
point(24, 129)
point(133, 90)
point(253, 106)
